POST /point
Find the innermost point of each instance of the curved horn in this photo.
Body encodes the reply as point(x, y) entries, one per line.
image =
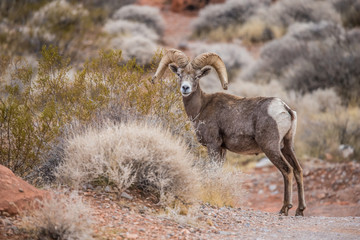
point(212, 59)
point(171, 56)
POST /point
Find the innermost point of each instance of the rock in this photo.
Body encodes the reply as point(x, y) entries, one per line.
point(107, 189)
point(131, 236)
point(272, 187)
point(16, 194)
point(346, 150)
point(185, 232)
point(226, 233)
point(264, 162)
point(125, 195)
point(191, 5)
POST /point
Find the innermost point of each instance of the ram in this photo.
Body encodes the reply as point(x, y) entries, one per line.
point(241, 125)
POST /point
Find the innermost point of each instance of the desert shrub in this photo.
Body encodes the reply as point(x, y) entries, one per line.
point(321, 134)
point(131, 154)
point(32, 110)
point(58, 22)
point(257, 29)
point(272, 22)
point(285, 13)
point(221, 186)
point(109, 6)
point(124, 28)
point(35, 109)
point(234, 56)
point(222, 16)
point(135, 30)
point(349, 11)
point(259, 21)
point(150, 16)
point(138, 47)
point(309, 57)
point(59, 217)
point(19, 11)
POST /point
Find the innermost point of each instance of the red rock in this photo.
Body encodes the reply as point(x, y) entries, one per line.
point(16, 194)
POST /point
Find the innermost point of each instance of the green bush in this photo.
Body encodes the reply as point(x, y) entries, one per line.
point(36, 108)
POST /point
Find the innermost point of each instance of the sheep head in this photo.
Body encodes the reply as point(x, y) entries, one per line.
point(189, 73)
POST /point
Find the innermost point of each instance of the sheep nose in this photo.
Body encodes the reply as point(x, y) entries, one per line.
point(185, 88)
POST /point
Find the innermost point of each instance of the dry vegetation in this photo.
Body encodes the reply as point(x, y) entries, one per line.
point(97, 119)
point(59, 217)
point(131, 154)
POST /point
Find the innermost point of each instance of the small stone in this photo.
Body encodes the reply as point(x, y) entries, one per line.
point(21, 190)
point(264, 162)
point(6, 222)
point(125, 195)
point(15, 230)
point(185, 232)
point(107, 189)
point(131, 235)
point(272, 187)
point(209, 222)
point(225, 233)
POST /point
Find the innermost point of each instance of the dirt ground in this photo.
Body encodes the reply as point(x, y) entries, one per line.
point(332, 194)
point(331, 190)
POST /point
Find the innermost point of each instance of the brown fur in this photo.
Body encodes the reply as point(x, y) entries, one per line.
point(243, 125)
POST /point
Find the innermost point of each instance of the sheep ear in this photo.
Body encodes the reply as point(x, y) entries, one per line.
point(173, 68)
point(204, 71)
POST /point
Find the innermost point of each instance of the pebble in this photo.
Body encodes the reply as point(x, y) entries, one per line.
point(126, 195)
point(107, 189)
point(226, 233)
point(131, 235)
point(184, 232)
point(272, 187)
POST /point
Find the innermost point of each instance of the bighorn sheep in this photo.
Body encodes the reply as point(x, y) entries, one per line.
point(241, 125)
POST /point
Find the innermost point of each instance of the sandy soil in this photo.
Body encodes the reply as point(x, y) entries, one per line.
point(333, 211)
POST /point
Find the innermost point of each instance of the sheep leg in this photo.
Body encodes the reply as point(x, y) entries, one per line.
point(277, 158)
point(298, 172)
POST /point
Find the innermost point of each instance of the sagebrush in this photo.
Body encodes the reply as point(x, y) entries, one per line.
point(309, 57)
point(62, 217)
point(131, 154)
point(150, 16)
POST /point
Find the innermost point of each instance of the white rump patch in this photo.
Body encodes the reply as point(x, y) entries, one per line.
point(281, 116)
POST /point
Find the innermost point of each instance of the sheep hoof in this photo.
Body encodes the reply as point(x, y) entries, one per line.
point(285, 210)
point(299, 212)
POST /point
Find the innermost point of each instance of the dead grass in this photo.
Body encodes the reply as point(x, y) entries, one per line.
point(221, 186)
point(60, 217)
point(131, 154)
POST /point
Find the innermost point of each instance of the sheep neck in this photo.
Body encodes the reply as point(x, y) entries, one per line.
point(193, 104)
